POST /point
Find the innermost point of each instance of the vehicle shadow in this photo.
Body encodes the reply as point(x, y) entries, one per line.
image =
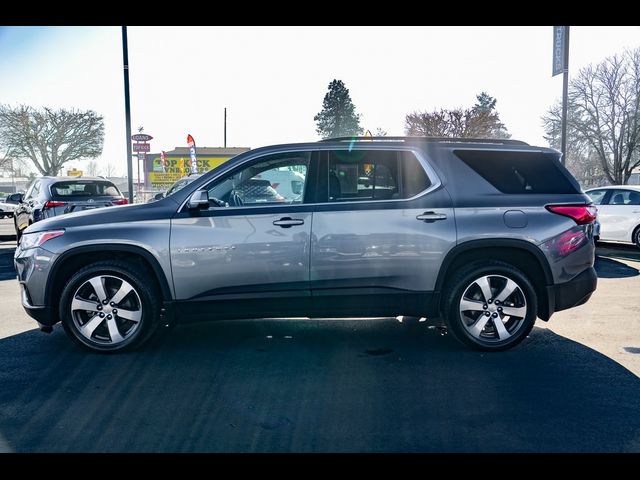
point(608, 268)
point(618, 250)
point(7, 270)
point(315, 386)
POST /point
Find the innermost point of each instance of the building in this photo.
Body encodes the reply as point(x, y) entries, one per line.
point(178, 164)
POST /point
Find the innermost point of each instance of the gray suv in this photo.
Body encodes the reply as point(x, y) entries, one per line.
point(487, 235)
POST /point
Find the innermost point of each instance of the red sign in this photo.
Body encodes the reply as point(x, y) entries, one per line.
point(141, 147)
point(141, 137)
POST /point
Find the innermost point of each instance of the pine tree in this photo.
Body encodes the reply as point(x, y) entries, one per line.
point(338, 116)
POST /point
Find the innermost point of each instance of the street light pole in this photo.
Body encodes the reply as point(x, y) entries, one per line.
point(127, 111)
point(565, 93)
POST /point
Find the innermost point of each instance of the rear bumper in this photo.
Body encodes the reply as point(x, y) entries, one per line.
point(572, 293)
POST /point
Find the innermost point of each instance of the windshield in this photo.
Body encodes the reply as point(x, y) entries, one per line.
point(180, 184)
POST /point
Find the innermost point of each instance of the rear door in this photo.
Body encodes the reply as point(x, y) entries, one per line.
point(379, 238)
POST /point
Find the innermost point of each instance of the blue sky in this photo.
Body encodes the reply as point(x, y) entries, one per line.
point(273, 79)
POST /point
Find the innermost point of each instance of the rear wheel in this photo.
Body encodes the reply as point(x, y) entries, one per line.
point(490, 305)
point(108, 307)
point(636, 236)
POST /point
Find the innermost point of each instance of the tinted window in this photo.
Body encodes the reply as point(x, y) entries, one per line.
point(33, 190)
point(597, 196)
point(267, 182)
point(84, 189)
point(624, 197)
point(359, 175)
point(518, 172)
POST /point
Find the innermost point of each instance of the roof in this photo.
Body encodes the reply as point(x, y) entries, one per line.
point(184, 151)
point(495, 141)
point(66, 178)
point(617, 187)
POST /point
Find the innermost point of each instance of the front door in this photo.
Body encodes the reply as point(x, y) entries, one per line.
point(379, 241)
point(248, 254)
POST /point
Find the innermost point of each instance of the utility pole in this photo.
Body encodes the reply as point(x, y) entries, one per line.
point(127, 111)
point(565, 94)
point(225, 127)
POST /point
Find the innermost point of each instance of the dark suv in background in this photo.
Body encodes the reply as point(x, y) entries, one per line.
point(48, 197)
point(487, 235)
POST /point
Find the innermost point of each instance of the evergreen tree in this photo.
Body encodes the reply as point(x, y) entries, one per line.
point(338, 117)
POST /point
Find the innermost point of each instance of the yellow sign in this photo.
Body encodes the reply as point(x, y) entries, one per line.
point(72, 172)
point(178, 167)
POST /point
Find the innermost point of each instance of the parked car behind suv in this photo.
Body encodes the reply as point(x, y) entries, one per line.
point(48, 197)
point(618, 213)
point(487, 235)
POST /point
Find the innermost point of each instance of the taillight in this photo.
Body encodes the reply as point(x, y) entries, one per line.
point(122, 201)
point(581, 214)
point(54, 203)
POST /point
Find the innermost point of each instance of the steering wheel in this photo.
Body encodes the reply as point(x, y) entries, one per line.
point(235, 199)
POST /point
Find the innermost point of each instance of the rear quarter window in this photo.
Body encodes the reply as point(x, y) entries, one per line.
point(518, 172)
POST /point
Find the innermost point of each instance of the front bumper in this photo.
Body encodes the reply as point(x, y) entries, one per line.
point(32, 267)
point(572, 293)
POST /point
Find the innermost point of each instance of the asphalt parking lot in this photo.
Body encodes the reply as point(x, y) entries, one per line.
point(331, 385)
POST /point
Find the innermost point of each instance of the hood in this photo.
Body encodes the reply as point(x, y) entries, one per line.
point(161, 209)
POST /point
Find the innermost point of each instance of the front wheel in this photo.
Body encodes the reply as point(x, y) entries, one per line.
point(490, 305)
point(636, 237)
point(107, 306)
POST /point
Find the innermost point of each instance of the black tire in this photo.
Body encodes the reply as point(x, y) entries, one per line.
point(464, 279)
point(148, 297)
point(18, 231)
point(636, 236)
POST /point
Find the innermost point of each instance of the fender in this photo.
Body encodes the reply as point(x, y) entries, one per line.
point(493, 243)
point(162, 279)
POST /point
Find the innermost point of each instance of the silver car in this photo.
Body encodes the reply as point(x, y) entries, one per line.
point(487, 235)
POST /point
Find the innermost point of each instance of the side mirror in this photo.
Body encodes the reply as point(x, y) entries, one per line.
point(199, 200)
point(158, 196)
point(15, 198)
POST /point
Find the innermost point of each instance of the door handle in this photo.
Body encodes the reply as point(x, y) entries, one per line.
point(288, 222)
point(431, 216)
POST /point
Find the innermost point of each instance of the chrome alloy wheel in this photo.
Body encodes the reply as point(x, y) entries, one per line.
point(106, 309)
point(493, 308)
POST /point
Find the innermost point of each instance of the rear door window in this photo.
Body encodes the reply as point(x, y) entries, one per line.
point(624, 197)
point(362, 175)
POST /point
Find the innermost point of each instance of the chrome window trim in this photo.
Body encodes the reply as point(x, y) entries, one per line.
point(426, 166)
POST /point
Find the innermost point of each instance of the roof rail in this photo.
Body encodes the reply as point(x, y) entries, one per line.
point(499, 141)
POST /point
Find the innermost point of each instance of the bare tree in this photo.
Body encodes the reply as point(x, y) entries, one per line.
point(110, 170)
point(480, 121)
point(604, 106)
point(92, 168)
point(580, 158)
point(464, 123)
point(50, 138)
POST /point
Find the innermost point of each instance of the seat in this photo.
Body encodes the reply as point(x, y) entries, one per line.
point(335, 191)
point(617, 199)
point(90, 189)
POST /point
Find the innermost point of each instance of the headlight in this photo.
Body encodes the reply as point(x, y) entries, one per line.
point(33, 240)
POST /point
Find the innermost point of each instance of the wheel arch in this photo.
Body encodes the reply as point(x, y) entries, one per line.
point(519, 253)
point(74, 259)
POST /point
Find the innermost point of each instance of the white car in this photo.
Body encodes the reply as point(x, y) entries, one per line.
point(288, 183)
point(618, 212)
point(6, 209)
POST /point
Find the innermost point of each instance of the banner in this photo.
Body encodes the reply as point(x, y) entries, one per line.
point(191, 143)
point(559, 54)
